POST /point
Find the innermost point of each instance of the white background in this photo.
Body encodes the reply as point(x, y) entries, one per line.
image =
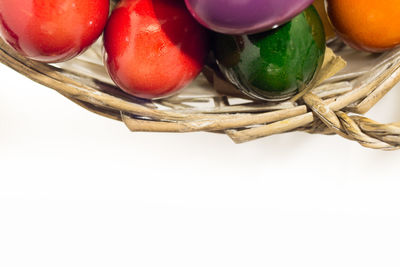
point(77, 189)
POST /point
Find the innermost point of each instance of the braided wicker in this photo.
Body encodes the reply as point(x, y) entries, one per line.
point(330, 105)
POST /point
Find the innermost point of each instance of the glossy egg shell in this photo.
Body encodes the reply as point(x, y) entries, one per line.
point(153, 48)
point(369, 25)
point(52, 31)
point(245, 16)
point(273, 65)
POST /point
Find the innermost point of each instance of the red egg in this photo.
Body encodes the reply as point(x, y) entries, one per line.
point(153, 48)
point(52, 30)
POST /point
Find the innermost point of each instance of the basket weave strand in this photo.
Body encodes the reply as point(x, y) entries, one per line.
point(324, 107)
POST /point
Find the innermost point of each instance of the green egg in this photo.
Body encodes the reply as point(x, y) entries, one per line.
point(276, 64)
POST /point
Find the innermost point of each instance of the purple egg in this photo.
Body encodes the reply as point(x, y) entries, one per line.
point(245, 16)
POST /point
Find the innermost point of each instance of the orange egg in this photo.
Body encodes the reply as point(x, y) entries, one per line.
point(369, 25)
point(320, 6)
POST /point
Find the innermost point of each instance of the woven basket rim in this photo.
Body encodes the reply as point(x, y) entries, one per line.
point(324, 108)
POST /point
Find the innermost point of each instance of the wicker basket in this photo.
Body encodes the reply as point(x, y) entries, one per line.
point(330, 105)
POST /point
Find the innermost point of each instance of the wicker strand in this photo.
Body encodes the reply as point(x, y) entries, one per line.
point(343, 125)
point(322, 108)
point(213, 125)
point(51, 77)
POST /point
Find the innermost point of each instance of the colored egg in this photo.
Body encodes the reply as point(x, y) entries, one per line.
point(368, 25)
point(276, 64)
point(52, 30)
point(153, 48)
point(245, 16)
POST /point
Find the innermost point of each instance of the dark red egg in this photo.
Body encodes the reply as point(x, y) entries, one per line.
point(153, 48)
point(52, 30)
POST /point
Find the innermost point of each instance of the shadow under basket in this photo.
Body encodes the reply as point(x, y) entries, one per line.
point(331, 104)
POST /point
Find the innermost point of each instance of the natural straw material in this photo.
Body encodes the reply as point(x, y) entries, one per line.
point(331, 104)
